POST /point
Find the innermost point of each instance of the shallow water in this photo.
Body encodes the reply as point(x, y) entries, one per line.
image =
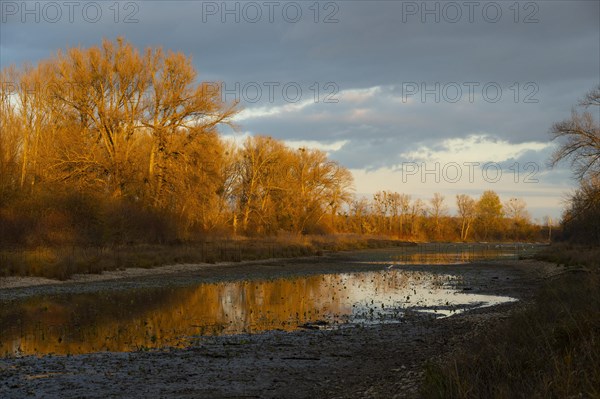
point(139, 319)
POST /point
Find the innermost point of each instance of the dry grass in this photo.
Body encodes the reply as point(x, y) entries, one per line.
point(550, 349)
point(61, 262)
point(572, 255)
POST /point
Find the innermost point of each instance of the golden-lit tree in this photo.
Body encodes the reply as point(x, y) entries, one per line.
point(104, 88)
point(416, 212)
point(339, 185)
point(262, 170)
point(381, 207)
point(467, 210)
point(517, 217)
point(110, 144)
point(399, 206)
point(489, 215)
point(177, 112)
point(317, 187)
point(437, 210)
point(10, 133)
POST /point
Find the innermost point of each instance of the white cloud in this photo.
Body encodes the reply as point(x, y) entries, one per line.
point(328, 147)
point(359, 95)
point(272, 111)
point(475, 148)
point(317, 145)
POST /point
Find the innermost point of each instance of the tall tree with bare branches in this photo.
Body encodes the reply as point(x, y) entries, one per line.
point(467, 210)
point(580, 138)
point(580, 144)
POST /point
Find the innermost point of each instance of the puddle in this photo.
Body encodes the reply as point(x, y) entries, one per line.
point(139, 319)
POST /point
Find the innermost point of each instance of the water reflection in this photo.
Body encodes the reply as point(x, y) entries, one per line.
point(153, 318)
point(446, 254)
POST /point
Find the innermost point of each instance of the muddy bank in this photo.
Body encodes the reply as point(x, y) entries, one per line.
point(189, 274)
point(375, 361)
point(183, 274)
point(382, 361)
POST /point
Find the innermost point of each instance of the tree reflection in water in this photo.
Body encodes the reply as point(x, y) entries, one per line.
point(161, 317)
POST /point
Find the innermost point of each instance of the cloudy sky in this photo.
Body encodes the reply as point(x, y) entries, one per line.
point(414, 97)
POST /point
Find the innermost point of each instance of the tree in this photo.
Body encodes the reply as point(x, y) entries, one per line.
point(515, 210)
point(104, 87)
point(262, 167)
point(359, 210)
point(580, 219)
point(467, 210)
point(177, 106)
point(196, 181)
point(315, 187)
point(580, 137)
point(115, 97)
point(381, 205)
point(338, 187)
point(9, 138)
point(489, 215)
point(399, 206)
point(417, 210)
point(437, 210)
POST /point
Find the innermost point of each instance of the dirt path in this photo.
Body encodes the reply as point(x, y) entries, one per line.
point(382, 361)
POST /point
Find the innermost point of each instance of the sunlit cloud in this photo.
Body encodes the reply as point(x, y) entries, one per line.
point(326, 146)
point(359, 95)
point(317, 145)
point(480, 147)
point(272, 111)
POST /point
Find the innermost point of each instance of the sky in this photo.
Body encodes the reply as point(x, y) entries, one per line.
point(414, 97)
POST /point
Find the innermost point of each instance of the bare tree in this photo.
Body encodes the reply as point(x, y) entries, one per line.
point(381, 205)
point(581, 146)
point(580, 136)
point(437, 210)
point(467, 210)
point(516, 209)
point(338, 187)
point(9, 136)
point(417, 210)
point(359, 209)
point(262, 171)
point(177, 106)
point(517, 217)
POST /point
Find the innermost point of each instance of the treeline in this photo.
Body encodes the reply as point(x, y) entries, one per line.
point(110, 145)
point(482, 219)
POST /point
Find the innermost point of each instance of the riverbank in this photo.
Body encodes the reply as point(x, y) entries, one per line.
point(380, 361)
point(18, 287)
point(63, 263)
point(550, 348)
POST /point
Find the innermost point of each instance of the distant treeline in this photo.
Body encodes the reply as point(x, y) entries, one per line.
point(114, 145)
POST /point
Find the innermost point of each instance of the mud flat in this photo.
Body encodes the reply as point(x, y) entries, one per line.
point(373, 360)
